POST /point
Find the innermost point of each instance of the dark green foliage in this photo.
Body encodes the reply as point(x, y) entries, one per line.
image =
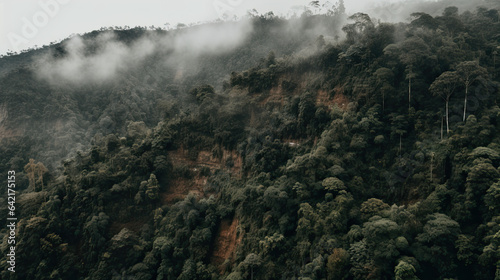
point(202, 92)
point(324, 164)
point(405, 271)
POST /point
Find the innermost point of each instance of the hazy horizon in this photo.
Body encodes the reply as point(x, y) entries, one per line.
point(73, 16)
point(24, 25)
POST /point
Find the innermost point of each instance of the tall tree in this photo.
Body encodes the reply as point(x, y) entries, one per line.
point(354, 31)
point(413, 53)
point(409, 76)
point(469, 72)
point(444, 86)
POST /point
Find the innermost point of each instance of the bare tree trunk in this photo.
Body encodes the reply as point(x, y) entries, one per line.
point(447, 121)
point(465, 102)
point(432, 159)
point(409, 92)
point(399, 144)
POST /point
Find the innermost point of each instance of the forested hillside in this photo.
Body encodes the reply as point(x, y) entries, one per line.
point(323, 146)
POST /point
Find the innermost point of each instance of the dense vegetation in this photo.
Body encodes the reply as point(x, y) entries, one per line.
point(372, 157)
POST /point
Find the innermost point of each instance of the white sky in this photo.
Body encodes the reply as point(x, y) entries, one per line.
point(26, 23)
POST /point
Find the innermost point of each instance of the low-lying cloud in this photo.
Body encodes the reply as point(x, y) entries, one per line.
point(400, 10)
point(104, 57)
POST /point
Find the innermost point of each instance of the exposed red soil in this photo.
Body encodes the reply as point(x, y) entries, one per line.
point(207, 159)
point(275, 97)
point(179, 188)
point(339, 99)
point(278, 96)
point(227, 238)
point(236, 159)
point(226, 242)
point(9, 133)
point(322, 98)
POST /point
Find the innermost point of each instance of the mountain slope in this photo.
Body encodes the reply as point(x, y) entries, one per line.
point(331, 163)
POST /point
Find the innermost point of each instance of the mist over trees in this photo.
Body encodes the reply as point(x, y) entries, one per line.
point(323, 146)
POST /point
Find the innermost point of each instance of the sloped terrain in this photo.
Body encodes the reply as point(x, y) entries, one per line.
point(337, 162)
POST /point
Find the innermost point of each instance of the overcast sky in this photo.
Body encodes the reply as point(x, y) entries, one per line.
point(24, 24)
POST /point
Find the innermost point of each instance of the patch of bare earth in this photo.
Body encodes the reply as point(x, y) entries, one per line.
point(275, 96)
point(339, 99)
point(278, 95)
point(226, 243)
point(180, 187)
point(9, 133)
